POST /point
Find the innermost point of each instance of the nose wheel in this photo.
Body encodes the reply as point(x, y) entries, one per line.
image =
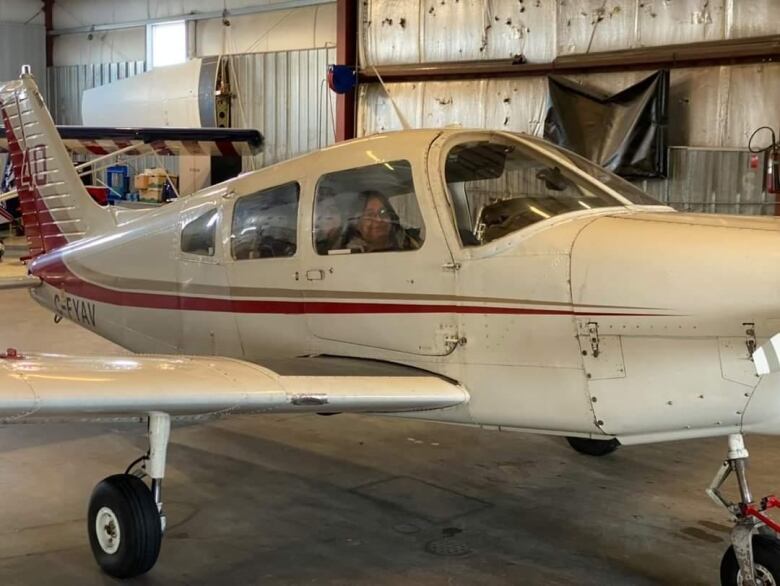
point(766, 564)
point(754, 556)
point(125, 520)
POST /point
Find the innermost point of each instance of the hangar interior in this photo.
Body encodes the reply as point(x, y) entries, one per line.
point(292, 499)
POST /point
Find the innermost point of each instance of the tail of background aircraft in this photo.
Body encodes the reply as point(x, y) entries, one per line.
point(56, 208)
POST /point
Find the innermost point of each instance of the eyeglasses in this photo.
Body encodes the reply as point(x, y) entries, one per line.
point(380, 214)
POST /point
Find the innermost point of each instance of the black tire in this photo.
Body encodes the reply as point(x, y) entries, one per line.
point(591, 447)
point(766, 557)
point(132, 505)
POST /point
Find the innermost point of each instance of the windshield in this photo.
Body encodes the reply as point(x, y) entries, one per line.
point(498, 188)
point(615, 182)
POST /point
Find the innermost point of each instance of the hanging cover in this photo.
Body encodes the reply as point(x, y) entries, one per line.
point(623, 132)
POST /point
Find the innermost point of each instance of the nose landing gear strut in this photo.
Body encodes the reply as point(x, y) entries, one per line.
point(754, 556)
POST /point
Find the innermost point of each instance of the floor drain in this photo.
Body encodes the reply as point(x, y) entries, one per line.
point(447, 548)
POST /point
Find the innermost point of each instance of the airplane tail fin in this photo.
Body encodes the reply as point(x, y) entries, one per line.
point(56, 208)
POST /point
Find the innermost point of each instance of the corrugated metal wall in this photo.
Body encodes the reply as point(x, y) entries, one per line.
point(285, 96)
point(708, 106)
point(67, 83)
point(410, 31)
point(716, 181)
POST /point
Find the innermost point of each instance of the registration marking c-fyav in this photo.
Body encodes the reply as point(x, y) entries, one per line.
point(75, 309)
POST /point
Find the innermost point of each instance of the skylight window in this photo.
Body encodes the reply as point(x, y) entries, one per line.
point(168, 42)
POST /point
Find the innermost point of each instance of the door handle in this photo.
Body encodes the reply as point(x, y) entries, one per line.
point(315, 275)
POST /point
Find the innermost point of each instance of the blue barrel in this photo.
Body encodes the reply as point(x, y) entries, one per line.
point(118, 181)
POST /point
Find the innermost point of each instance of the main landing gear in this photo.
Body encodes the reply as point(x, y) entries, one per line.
point(754, 556)
point(125, 520)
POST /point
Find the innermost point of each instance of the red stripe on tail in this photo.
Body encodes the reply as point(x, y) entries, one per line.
point(42, 232)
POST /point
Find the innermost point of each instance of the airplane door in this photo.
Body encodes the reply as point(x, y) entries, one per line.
point(377, 273)
point(263, 265)
point(206, 327)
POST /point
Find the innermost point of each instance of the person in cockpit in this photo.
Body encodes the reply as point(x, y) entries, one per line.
point(378, 228)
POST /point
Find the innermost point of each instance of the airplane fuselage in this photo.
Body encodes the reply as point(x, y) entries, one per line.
point(630, 321)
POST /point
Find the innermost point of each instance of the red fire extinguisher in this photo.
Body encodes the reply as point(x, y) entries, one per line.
point(771, 160)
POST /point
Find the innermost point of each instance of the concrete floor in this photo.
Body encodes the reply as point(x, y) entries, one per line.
point(358, 500)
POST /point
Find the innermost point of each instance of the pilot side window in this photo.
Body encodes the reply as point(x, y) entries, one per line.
point(369, 209)
point(265, 224)
point(200, 235)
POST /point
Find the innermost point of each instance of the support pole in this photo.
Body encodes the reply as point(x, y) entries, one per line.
point(346, 54)
point(48, 21)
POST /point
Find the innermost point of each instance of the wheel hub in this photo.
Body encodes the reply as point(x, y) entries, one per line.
point(107, 530)
point(763, 576)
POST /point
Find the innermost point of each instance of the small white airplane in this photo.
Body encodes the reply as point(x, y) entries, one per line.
point(462, 276)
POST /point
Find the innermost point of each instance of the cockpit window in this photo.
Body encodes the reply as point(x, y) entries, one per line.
point(368, 209)
point(265, 223)
point(200, 235)
point(499, 188)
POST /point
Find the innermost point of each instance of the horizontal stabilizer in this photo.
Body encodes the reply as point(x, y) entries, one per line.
point(25, 282)
point(209, 142)
point(52, 387)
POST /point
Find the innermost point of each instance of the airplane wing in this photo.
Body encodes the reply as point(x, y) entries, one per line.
point(44, 387)
point(210, 142)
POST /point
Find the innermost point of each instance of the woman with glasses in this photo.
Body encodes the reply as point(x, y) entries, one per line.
point(378, 228)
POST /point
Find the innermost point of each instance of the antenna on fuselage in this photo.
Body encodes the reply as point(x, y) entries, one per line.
point(404, 123)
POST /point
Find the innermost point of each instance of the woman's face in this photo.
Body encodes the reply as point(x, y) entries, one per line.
point(375, 223)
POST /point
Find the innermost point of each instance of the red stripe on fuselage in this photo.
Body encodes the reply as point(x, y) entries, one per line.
point(52, 270)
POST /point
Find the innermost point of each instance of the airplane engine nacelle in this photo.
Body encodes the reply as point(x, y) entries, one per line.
point(697, 294)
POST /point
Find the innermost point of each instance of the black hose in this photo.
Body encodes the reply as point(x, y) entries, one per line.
point(772, 145)
point(136, 461)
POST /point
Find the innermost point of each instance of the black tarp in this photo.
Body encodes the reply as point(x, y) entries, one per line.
point(624, 132)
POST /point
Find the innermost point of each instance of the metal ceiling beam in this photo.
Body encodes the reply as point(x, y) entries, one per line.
point(233, 12)
point(727, 52)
